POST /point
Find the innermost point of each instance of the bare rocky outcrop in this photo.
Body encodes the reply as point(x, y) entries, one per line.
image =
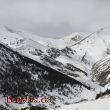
point(101, 71)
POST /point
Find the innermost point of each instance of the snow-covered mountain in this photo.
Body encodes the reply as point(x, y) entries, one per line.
point(60, 54)
point(77, 57)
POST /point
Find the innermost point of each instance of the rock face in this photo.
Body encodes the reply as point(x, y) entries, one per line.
point(21, 76)
point(101, 71)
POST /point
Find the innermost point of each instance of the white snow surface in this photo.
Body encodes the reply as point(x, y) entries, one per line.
point(100, 104)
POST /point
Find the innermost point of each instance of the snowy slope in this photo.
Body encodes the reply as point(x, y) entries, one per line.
point(89, 52)
point(20, 43)
point(100, 104)
point(21, 76)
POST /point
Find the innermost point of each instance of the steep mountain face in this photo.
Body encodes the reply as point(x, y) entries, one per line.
point(21, 76)
point(59, 54)
point(101, 71)
point(62, 68)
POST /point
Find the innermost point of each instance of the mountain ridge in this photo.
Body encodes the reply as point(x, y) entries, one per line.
point(74, 64)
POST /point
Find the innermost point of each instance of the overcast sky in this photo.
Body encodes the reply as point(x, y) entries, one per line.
point(55, 18)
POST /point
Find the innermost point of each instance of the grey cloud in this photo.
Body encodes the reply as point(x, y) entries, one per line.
point(54, 18)
point(50, 30)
